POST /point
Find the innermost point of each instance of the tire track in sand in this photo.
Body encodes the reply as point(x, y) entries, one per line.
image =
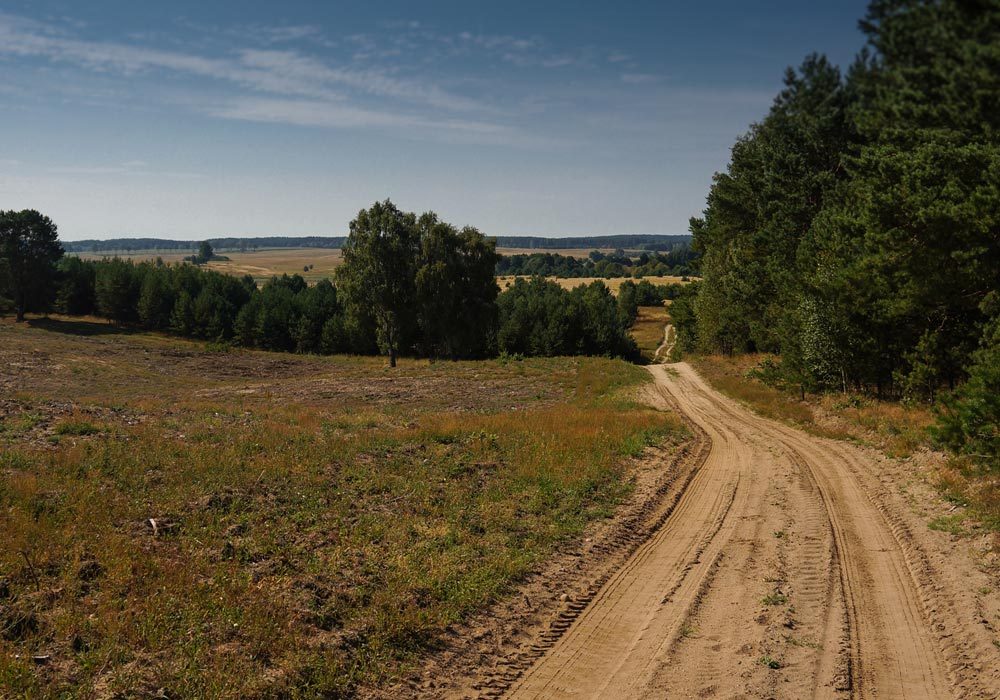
point(878, 624)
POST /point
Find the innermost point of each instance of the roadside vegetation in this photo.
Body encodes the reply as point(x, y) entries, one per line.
point(195, 523)
point(901, 429)
point(897, 428)
point(855, 239)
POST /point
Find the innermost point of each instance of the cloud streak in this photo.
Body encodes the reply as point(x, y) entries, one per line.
point(264, 71)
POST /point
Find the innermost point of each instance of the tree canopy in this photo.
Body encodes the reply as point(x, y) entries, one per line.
point(856, 229)
point(29, 251)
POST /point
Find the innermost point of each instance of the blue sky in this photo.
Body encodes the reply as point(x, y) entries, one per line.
point(198, 119)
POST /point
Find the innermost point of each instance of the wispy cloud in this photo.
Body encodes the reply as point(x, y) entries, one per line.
point(333, 114)
point(292, 74)
point(640, 78)
point(283, 72)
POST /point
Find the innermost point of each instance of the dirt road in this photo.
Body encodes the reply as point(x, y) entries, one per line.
point(783, 571)
point(662, 353)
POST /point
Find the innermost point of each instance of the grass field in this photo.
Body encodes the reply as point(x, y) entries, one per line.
point(613, 283)
point(182, 522)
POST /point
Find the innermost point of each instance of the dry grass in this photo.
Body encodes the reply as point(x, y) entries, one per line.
point(966, 484)
point(613, 283)
point(648, 329)
point(318, 521)
point(898, 429)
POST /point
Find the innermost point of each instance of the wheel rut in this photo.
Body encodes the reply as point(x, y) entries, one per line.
point(782, 570)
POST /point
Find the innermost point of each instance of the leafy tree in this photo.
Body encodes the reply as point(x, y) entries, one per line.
point(628, 300)
point(29, 251)
point(377, 275)
point(456, 289)
point(538, 317)
point(205, 253)
point(684, 318)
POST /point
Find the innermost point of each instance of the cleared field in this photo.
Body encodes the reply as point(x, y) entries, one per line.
point(190, 523)
point(261, 264)
point(613, 283)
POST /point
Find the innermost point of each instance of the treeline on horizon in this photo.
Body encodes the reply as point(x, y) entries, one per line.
point(409, 285)
point(650, 242)
point(678, 261)
point(856, 230)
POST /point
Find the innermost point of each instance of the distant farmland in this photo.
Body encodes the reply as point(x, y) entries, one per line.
point(260, 264)
point(263, 264)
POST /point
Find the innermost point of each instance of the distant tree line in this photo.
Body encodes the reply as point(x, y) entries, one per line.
point(126, 245)
point(632, 295)
point(678, 260)
point(639, 241)
point(856, 230)
point(661, 242)
point(409, 285)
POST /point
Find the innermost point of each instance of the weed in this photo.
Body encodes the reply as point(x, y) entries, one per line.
point(952, 524)
point(808, 643)
point(76, 427)
point(769, 662)
point(774, 599)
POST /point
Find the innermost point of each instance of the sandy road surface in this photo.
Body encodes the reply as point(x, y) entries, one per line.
point(781, 572)
point(662, 353)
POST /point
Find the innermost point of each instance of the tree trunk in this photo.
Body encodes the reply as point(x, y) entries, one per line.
point(392, 357)
point(20, 314)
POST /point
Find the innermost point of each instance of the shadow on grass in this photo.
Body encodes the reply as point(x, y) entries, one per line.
point(78, 327)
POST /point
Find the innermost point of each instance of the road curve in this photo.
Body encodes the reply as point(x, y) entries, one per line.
point(779, 573)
